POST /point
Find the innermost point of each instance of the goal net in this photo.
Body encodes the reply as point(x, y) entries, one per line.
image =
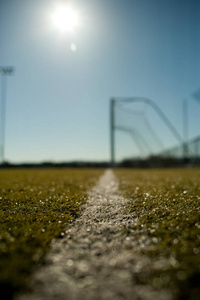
point(139, 129)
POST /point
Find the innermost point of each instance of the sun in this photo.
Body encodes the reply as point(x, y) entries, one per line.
point(65, 18)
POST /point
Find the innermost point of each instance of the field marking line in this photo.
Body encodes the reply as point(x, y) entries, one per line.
point(95, 260)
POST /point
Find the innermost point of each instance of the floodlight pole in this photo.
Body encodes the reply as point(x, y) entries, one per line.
point(3, 71)
point(112, 132)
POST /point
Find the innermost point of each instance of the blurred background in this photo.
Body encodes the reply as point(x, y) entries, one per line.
point(61, 63)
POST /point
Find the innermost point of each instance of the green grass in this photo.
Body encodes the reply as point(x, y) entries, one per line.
point(166, 206)
point(35, 206)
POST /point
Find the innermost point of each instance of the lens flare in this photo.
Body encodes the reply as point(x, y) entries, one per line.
point(73, 47)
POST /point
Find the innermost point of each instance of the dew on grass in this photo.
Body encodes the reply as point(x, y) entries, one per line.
point(70, 262)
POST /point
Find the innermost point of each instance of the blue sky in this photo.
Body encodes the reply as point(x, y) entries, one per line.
point(57, 105)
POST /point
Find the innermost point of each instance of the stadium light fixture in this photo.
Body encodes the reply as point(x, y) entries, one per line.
point(3, 71)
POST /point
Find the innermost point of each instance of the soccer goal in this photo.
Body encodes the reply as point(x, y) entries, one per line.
point(139, 129)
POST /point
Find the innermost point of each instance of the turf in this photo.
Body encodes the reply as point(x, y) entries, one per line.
point(35, 206)
point(166, 207)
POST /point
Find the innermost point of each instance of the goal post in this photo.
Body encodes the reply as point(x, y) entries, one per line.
point(123, 101)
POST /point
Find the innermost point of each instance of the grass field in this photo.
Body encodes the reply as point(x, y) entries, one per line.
point(35, 206)
point(166, 207)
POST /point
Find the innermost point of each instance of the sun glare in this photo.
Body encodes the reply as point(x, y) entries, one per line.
point(65, 18)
